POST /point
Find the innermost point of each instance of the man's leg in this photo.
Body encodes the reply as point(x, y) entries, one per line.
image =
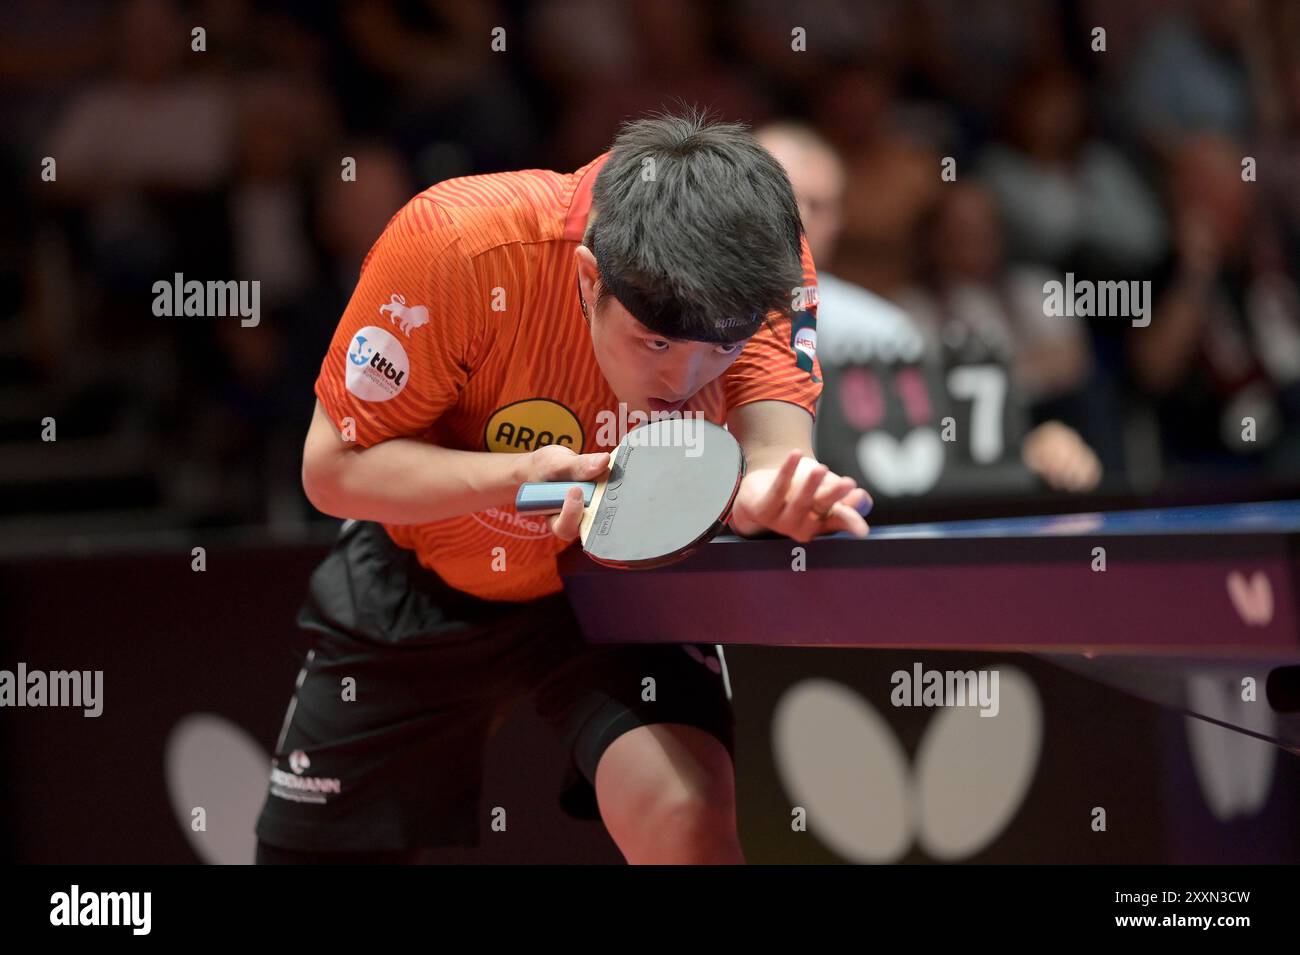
point(396, 764)
point(651, 733)
point(667, 795)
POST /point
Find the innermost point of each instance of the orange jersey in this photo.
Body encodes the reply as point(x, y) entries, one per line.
point(465, 330)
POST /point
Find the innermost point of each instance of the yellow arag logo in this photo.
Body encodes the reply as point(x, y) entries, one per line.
point(531, 424)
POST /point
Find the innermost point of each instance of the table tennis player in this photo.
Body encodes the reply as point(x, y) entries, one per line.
point(502, 328)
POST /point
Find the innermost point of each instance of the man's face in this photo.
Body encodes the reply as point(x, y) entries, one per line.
point(646, 371)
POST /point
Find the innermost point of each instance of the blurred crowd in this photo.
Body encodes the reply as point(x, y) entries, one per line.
point(1170, 156)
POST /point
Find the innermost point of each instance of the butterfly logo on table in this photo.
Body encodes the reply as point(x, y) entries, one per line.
point(1252, 597)
point(839, 758)
point(1235, 771)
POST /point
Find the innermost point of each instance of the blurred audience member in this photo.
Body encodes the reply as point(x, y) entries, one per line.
point(1278, 143)
point(969, 54)
point(793, 66)
point(818, 178)
point(284, 127)
point(660, 54)
point(892, 179)
point(1221, 357)
point(970, 300)
point(46, 52)
point(440, 83)
point(970, 316)
point(1068, 201)
point(967, 284)
point(1193, 74)
point(141, 156)
point(153, 123)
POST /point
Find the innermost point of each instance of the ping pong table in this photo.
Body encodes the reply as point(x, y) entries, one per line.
point(1166, 604)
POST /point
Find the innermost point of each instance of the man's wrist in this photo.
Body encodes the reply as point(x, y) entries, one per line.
point(499, 475)
point(519, 470)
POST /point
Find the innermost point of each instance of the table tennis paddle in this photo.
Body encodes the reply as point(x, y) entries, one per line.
point(669, 489)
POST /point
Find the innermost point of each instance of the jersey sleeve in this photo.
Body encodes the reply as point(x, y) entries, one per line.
point(406, 343)
point(780, 362)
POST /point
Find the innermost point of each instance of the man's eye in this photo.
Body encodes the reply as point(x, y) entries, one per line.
point(729, 349)
point(656, 344)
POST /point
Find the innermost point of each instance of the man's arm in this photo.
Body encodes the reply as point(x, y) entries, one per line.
point(769, 430)
point(406, 481)
point(785, 488)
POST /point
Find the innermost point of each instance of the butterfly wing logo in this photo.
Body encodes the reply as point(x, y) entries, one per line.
point(840, 759)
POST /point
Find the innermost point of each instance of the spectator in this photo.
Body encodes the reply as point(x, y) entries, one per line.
point(152, 123)
point(966, 284)
point(657, 53)
point(438, 87)
point(857, 328)
point(1069, 202)
point(1192, 75)
point(141, 155)
point(892, 179)
point(971, 301)
point(1223, 345)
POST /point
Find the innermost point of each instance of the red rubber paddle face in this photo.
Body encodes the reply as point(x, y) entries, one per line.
point(670, 489)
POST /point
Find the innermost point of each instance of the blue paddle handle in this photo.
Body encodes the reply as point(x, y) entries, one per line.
point(547, 497)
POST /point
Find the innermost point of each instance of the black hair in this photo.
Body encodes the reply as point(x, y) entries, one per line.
point(696, 231)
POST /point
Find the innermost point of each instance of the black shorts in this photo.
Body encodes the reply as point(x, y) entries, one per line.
point(383, 744)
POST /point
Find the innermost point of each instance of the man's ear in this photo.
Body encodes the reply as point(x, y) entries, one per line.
point(588, 281)
point(586, 309)
point(586, 262)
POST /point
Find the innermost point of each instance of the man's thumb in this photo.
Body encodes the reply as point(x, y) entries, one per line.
point(596, 462)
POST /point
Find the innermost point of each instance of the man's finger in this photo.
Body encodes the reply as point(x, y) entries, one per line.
point(567, 523)
point(773, 499)
point(831, 492)
point(802, 502)
point(597, 462)
point(844, 518)
point(861, 501)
